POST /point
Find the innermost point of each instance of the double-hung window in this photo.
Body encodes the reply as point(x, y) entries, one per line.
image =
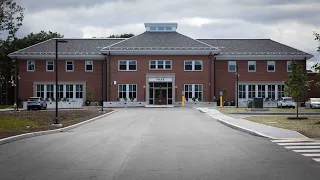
point(31, 65)
point(251, 66)
point(289, 69)
point(88, 66)
point(50, 66)
point(193, 92)
point(127, 65)
point(69, 66)
point(69, 91)
point(271, 66)
point(160, 64)
point(232, 66)
point(79, 91)
point(40, 90)
point(128, 91)
point(50, 91)
point(193, 65)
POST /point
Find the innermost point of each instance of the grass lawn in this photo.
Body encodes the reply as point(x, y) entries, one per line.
point(309, 127)
point(243, 110)
point(5, 106)
point(14, 123)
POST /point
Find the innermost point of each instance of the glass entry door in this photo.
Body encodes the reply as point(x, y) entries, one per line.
point(160, 96)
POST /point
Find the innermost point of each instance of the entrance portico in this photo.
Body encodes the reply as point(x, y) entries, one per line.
point(160, 89)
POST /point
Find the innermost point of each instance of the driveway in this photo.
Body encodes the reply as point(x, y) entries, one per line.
point(141, 143)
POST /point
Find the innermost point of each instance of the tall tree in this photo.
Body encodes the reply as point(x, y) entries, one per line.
point(297, 83)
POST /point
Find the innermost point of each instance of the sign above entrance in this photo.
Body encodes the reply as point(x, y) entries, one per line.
point(166, 79)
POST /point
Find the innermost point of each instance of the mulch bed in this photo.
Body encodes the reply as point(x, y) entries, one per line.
point(45, 119)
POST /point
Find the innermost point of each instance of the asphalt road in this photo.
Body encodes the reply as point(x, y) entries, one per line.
point(150, 144)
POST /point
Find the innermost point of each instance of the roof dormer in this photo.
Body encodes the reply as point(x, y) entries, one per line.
point(161, 27)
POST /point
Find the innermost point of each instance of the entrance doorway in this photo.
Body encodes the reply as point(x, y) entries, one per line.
point(160, 96)
point(160, 93)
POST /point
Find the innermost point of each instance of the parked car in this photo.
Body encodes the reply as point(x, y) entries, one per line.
point(286, 102)
point(313, 103)
point(36, 103)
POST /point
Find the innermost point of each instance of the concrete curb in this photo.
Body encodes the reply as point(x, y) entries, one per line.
point(243, 129)
point(40, 133)
point(275, 113)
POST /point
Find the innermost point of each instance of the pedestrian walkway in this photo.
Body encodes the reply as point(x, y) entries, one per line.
point(252, 127)
point(308, 148)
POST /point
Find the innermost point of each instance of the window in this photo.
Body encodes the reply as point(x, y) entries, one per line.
point(261, 91)
point(50, 66)
point(122, 91)
point(40, 90)
point(69, 66)
point(160, 64)
point(127, 65)
point(31, 65)
point(193, 91)
point(289, 69)
point(272, 92)
point(127, 91)
point(251, 66)
point(79, 91)
point(89, 66)
point(160, 28)
point(252, 91)
point(69, 91)
point(153, 28)
point(242, 91)
point(60, 91)
point(280, 91)
point(271, 66)
point(193, 65)
point(168, 28)
point(232, 66)
point(50, 91)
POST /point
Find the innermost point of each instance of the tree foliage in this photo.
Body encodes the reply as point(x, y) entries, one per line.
point(121, 36)
point(317, 38)
point(11, 17)
point(316, 67)
point(297, 83)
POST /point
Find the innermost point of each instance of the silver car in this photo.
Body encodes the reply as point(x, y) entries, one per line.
point(313, 103)
point(36, 103)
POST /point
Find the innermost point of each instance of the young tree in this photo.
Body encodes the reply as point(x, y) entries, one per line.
point(316, 67)
point(297, 83)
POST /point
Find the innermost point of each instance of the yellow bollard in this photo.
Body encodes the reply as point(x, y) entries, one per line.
point(220, 101)
point(182, 101)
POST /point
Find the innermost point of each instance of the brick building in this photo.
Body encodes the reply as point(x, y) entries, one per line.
point(155, 67)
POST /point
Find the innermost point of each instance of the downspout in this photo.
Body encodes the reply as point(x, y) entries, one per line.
point(107, 59)
point(214, 78)
point(210, 76)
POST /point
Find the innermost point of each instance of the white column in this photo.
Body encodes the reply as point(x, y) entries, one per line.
point(247, 92)
point(64, 91)
point(45, 91)
point(193, 89)
point(276, 93)
point(74, 91)
point(266, 92)
point(256, 88)
point(127, 91)
point(54, 92)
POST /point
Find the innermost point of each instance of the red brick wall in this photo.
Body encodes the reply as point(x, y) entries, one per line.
point(314, 92)
point(139, 77)
point(92, 79)
point(225, 79)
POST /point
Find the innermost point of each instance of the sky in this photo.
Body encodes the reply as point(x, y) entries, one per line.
point(290, 22)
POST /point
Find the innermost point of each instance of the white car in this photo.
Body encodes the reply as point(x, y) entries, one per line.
point(36, 103)
point(313, 103)
point(286, 102)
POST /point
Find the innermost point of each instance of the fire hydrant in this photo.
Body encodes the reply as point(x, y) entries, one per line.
point(15, 106)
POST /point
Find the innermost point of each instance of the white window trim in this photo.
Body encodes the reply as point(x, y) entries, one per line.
point(255, 66)
point(85, 66)
point(193, 90)
point(47, 66)
point(288, 63)
point(164, 65)
point(272, 63)
point(127, 65)
point(34, 64)
point(193, 65)
point(231, 63)
point(72, 66)
point(128, 92)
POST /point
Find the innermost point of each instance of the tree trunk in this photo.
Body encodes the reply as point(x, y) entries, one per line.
point(7, 94)
point(297, 108)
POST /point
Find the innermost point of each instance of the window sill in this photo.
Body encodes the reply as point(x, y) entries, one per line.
point(194, 70)
point(127, 70)
point(30, 71)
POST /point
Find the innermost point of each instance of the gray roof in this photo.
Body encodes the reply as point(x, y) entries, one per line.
point(253, 46)
point(160, 41)
point(74, 46)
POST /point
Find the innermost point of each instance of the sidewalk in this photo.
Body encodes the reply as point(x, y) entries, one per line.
point(8, 109)
point(252, 127)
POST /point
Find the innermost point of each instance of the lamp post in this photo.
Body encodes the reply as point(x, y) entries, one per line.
point(237, 74)
point(56, 123)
